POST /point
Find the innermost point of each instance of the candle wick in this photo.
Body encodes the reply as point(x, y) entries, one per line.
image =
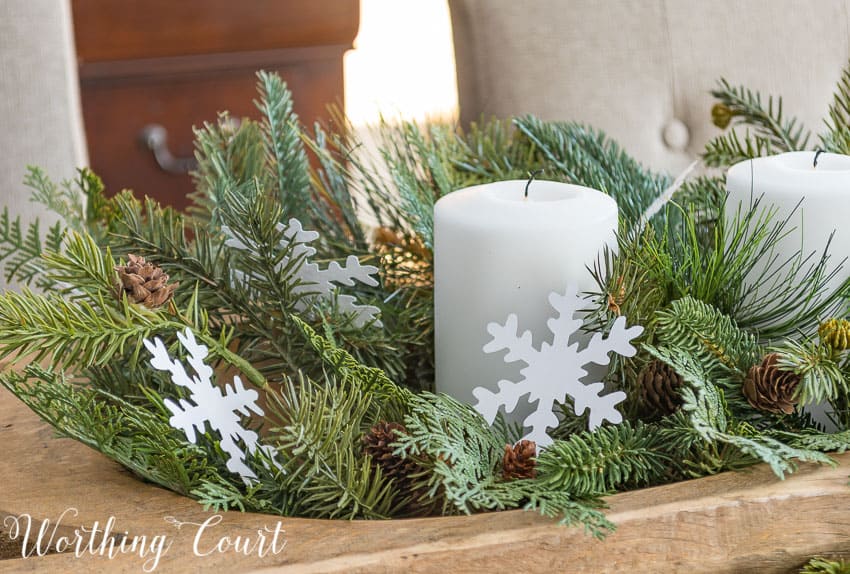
point(531, 176)
point(815, 161)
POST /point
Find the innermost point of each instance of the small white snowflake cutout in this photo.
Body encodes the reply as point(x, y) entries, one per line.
point(223, 410)
point(308, 277)
point(554, 371)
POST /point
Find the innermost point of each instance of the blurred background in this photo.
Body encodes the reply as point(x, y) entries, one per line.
point(152, 70)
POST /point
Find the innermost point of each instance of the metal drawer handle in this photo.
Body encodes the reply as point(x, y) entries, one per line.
point(155, 138)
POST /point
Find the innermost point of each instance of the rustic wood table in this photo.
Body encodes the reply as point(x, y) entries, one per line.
point(735, 522)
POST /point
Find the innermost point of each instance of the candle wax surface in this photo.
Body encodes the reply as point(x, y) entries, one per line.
point(497, 252)
point(815, 200)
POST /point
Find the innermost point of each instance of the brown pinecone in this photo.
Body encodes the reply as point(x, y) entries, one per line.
point(144, 283)
point(769, 388)
point(376, 444)
point(659, 385)
point(519, 460)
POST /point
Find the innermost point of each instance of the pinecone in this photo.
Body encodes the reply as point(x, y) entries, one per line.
point(376, 444)
point(769, 388)
point(144, 283)
point(519, 460)
point(659, 385)
point(835, 334)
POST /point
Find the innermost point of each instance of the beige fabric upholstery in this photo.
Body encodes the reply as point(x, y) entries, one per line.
point(636, 68)
point(40, 120)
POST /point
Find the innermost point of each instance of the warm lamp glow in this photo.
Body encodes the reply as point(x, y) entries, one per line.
point(403, 62)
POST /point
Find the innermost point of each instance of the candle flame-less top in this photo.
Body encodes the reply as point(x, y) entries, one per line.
point(792, 176)
point(504, 202)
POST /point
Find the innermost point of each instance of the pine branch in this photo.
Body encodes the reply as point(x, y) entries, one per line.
point(731, 148)
point(747, 107)
point(602, 461)
point(822, 565)
point(821, 376)
point(229, 156)
point(837, 137)
point(708, 336)
point(316, 430)
point(136, 437)
point(587, 157)
point(285, 153)
point(709, 416)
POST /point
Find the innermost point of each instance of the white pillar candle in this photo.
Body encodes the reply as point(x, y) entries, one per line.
point(823, 192)
point(497, 252)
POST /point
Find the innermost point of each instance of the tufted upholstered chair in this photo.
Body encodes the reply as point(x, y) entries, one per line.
point(40, 119)
point(642, 70)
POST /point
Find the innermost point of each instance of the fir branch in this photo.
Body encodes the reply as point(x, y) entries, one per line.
point(316, 430)
point(707, 335)
point(731, 148)
point(21, 251)
point(77, 334)
point(747, 107)
point(229, 156)
point(602, 461)
point(823, 565)
point(137, 437)
point(285, 152)
point(821, 376)
point(82, 269)
point(837, 137)
point(586, 157)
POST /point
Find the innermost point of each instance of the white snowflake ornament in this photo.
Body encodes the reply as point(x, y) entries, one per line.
point(208, 404)
point(308, 277)
point(554, 371)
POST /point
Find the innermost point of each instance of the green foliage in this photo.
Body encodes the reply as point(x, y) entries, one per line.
point(772, 131)
point(461, 452)
point(586, 157)
point(139, 438)
point(603, 461)
point(316, 429)
point(709, 290)
point(813, 439)
point(821, 376)
point(21, 249)
point(821, 565)
point(285, 153)
point(837, 137)
point(463, 455)
point(707, 335)
point(711, 419)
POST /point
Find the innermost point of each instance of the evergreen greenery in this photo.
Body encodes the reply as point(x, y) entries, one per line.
point(74, 341)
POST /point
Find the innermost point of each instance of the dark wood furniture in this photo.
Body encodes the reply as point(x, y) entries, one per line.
point(177, 63)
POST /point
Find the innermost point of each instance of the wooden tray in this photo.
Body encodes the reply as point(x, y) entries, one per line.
point(734, 522)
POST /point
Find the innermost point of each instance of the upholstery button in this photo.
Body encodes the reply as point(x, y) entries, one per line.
point(676, 135)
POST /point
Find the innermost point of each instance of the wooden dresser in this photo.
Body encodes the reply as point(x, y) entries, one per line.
point(152, 69)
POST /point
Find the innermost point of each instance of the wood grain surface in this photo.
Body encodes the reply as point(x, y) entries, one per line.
point(735, 522)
